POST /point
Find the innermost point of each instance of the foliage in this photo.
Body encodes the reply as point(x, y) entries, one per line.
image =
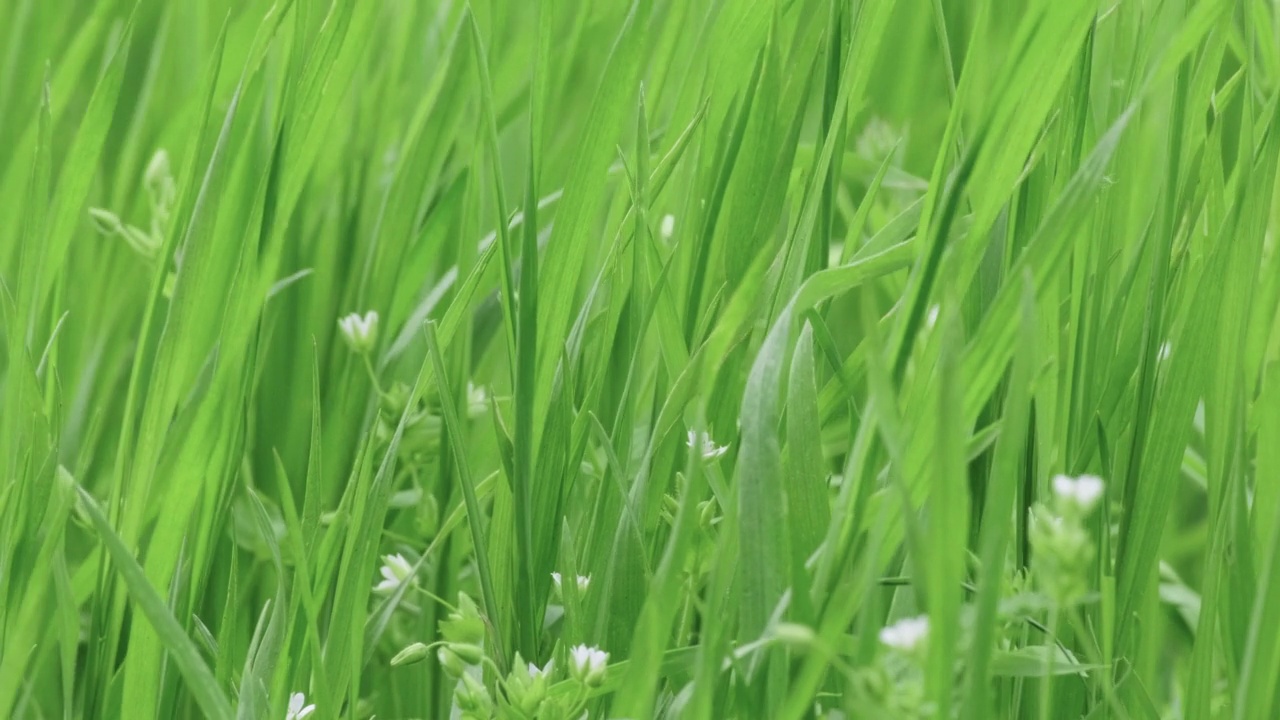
point(639, 358)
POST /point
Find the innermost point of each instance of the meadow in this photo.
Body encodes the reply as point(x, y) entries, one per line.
point(706, 359)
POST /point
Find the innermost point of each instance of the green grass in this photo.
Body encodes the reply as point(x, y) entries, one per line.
point(781, 323)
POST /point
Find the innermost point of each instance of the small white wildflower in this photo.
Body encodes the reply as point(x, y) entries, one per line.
point(668, 227)
point(589, 663)
point(905, 635)
point(1163, 353)
point(703, 443)
point(360, 331)
point(395, 571)
point(477, 399)
point(584, 581)
point(298, 707)
point(536, 672)
point(1083, 492)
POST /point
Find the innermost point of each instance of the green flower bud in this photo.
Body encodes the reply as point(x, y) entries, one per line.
point(450, 662)
point(707, 513)
point(159, 182)
point(794, 634)
point(415, 653)
point(428, 516)
point(470, 654)
point(106, 222)
point(473, 697)
point(526, 687)
point(464, 626)
point(670, 504)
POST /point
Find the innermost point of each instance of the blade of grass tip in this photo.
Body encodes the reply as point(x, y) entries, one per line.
point(759, 463)
point(808, 513)
point(228, 628)
point(34, 220)
point(77, 173)
point(475, 518)
point(702, 250)
point(931, 259)
point(500, 197)
point(182, 650)
point(572, 237)
point(40, 557)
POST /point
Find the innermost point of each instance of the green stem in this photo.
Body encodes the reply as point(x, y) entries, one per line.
point(1046, 682)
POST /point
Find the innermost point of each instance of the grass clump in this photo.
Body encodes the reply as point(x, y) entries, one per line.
point(660, 358)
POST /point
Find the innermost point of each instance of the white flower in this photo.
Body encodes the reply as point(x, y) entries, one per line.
point(536, 672)
point(360, 331)
point(703, 443)
point(1083, 492)
point(905, 635)
point(395, 571)
point(298, 709)
point(588, 663)
point(668, 227)
point(1163, 353)
point(584, 581)
point(477, 399)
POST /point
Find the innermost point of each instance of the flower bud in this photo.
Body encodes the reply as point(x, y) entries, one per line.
point(105, 221)
point(707, 513)
point(794, 634)
point(473, 697)
point(469, 654)
point(415, 653)
point(464, 626)
point(526, 686)
point(450, 662)
point(159, 175)
point(427, 518)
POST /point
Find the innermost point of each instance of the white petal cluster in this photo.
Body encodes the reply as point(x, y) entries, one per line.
point(668, 227)
point(395, 571)
point(298, 707)
point(703, 443)
point(536, 672)
point(588, 664)
point(360, 331)
point(584, 581)
point(905, 635)
point(1083, 492)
